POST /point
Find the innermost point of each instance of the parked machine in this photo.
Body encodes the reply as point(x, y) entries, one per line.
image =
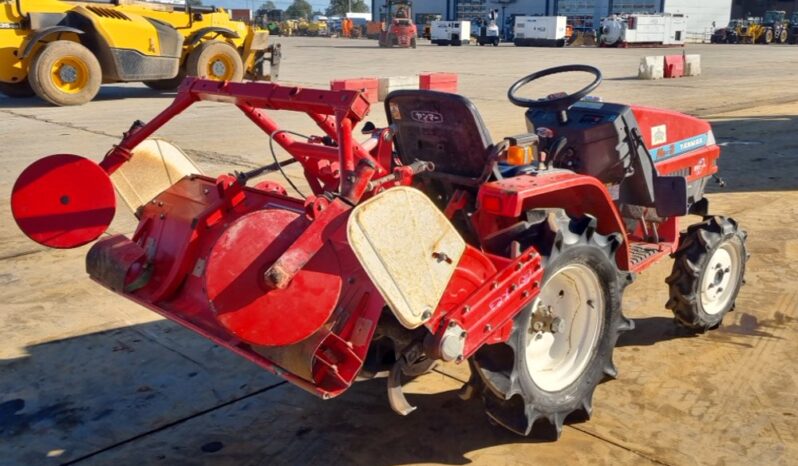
point(643, 30)
point(489, 32)
point(547, 31)
point(63, 51)
point(728, 34)
point(426, 19)
point(776, 27)
point(794, 28)
point(751, 31)
point(426, 242)
point(450, 32)
point(399, 30)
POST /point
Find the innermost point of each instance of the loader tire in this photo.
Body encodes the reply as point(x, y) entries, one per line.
point(561, 344)
point(215, 60)
point(707, 273)
point(167, 85)
point(17, 90)
point(65, 73)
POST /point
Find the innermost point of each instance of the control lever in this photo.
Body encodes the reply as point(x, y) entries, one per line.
point(405, 172)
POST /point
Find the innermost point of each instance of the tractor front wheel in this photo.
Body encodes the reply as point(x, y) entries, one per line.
point(17, 90)
point(65, 73)
point(707, 273)
point(561, 345)
point(215, 60)
point(768, 37)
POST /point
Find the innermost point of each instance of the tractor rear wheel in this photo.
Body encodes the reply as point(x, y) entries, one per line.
point(17, 90)
point(707, 273)
point(65, 73)
point(561, 345)
point(215, 60)
point(783, 36)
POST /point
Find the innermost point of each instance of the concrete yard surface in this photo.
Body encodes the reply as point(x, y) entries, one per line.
point(89, 378)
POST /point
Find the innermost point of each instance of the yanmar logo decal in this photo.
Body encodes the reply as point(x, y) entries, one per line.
point(680, 147)
point(425, 116)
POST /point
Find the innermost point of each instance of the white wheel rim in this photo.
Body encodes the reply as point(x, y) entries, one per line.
point(719, 281)
point(556, 359)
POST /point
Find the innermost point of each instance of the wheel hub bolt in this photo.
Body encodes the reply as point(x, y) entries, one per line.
point(68, 74)
point(556, 325)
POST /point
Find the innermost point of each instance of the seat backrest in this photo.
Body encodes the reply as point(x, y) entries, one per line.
point(441, 128)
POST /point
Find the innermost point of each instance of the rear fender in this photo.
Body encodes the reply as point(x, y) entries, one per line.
point(574, 193)
point(197, 35)
point(30, 43)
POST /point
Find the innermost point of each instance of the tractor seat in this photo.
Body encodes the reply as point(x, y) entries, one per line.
point(441, 128)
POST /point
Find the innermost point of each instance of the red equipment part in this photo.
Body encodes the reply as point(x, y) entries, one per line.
point(368, 86)
point(235, 284)
point(63, 201)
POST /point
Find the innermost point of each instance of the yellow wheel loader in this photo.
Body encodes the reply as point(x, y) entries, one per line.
point(63, 51)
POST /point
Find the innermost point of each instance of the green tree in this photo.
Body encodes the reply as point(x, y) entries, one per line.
point(341, 7)
point(263, 10)
point(299, 9)
point(194, 2)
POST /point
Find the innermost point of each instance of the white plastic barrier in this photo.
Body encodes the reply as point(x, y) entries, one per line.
point(692, 65)
point(393, 83)
point(651, 68)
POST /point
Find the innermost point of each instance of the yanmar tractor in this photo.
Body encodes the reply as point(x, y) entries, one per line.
point(425, 242)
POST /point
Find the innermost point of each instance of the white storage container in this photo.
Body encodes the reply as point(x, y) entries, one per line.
point(450, 32)
point(540, 31)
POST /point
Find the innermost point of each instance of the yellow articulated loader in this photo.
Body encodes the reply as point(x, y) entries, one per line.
point(63, 51)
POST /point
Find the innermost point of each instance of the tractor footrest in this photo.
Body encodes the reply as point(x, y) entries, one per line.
point(640, 253)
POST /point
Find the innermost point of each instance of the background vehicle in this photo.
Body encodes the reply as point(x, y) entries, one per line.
point(794, 28)
point(426, 19)
point(638, 30)
point(431, 242)
point(63, 51)
point(751, 31)
point(776, 27)
point(728, 34)
point(488, 32)
point(398, 27)
point(455, 33)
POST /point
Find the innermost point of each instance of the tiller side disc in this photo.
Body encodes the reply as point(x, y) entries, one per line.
point(63, 201)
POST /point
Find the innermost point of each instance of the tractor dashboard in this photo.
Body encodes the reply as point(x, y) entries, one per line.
point(596, 138)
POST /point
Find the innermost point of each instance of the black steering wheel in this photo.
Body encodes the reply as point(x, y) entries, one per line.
point(556, 103)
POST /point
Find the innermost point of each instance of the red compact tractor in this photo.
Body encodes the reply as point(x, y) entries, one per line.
point(399, 30)
point(426, 242)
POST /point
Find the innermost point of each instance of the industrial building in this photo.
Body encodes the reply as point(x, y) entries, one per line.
point(587, 14)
